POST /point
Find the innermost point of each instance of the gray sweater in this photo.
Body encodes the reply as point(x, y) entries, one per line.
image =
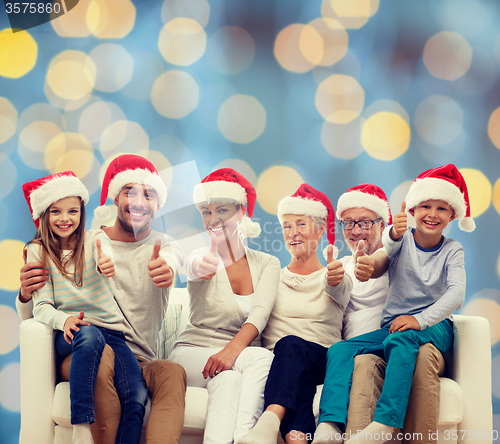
point(215, 316)
point(428, 284)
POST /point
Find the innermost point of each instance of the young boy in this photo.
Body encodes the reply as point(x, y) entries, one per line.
point(427, 284)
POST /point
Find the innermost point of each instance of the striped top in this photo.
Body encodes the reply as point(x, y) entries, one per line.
point(60, 298)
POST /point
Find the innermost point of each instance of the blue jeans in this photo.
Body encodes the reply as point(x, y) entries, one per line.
point(86, 348)
point(399, 350)
point(298, 367)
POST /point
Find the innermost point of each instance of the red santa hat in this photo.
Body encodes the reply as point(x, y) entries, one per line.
point(129, 168)
point(443, 183)
point(366, 196)
point(227, 185)
point(42, 193)
point(308, 201)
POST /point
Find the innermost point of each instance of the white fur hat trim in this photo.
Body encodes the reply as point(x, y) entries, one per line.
point(219, 191)
point(358, 199)
point(138, 176)
point(298, 206)
point(432, 188)
point(53, 190)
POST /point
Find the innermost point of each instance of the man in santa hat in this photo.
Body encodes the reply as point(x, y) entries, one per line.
point(363, 212)
point(146, 265)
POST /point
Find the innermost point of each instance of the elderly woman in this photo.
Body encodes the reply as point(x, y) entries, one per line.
point(232, 291)
point(309, 308)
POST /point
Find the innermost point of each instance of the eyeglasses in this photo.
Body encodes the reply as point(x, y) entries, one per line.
point(363, 224)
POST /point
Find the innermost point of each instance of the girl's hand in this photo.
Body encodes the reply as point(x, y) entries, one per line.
point(402, 323)
point(219, 362)
point(104, 263)
point(71, 325)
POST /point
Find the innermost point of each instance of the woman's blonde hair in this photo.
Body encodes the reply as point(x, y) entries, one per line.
point(51, 246)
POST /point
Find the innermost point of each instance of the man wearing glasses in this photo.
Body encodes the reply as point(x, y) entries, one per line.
point(363, 212)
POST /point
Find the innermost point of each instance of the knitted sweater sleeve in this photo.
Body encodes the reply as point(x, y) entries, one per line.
point(341, 293)
point(265, 292)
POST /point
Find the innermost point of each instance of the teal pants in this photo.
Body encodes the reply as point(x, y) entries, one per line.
point(399, 350)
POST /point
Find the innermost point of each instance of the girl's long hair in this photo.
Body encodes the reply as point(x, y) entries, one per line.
point(51, 247)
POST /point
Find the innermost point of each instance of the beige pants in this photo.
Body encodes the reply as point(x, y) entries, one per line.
point(166, 382)
point(423, 405)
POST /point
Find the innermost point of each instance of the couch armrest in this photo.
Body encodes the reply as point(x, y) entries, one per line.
point(471, 369)
point(38, 378)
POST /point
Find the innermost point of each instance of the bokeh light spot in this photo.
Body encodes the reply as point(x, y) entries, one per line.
point(18, 53)
point(311, 45)
point(8, 119)
point(241, 119)
point(10, 387)
point(230, 50)
point(71, 75)
point(96, 117)
point(287, 49)
point(111, 19)
point(198, 10)
point(439, 120)
point(8, 176)
point(447, 55)
point(74, 24)
point(496, 196)
point(334, 40)
point(182, 41)
point(69, 151)
point(488, 309)
point(274, 184)
point(339, 99)
point(353, 14)
point(494, 127)
point(147, 68)
point(480, 190)
point(385, 136)
point(175, 94)
point(11, 261)
point(114, 67)
point(343, 141)
point(9, 329)
point(123, 136)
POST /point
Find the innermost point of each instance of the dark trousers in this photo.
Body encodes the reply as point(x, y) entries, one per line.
point(298, 367)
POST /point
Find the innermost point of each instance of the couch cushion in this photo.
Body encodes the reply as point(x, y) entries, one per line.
point(194, 419)
point(169, 331)
point(61, 408)
point(451, 406)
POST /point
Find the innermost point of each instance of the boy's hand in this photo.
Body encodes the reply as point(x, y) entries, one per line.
point(334, 269)
point(159, 271)
point(209, 263)
point(71, 325)
point(365, 265)
point(104, 262)
point(405, 322)
point(400, 224)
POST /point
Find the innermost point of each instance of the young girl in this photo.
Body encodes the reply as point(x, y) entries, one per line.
point(79, 263)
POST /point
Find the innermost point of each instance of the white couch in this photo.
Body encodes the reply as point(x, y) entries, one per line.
point(465, 412)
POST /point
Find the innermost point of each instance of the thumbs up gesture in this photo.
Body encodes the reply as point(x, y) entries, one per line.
point(209, 263)
point(365, 265)
point(400, 223)
point(104, 262)
point(334, 268)
point(159, 271)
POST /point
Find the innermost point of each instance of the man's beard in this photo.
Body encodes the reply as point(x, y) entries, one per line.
point(129, 228)
point(371, 245)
